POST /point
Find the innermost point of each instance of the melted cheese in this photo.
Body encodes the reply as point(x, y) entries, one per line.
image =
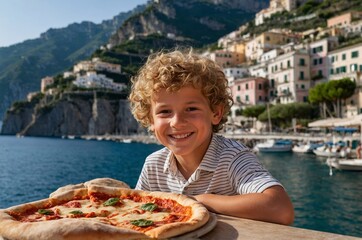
point(128, 211)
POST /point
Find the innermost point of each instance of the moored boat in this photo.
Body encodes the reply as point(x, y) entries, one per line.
point(345, 164)
point(305, 147)
point(274, 146)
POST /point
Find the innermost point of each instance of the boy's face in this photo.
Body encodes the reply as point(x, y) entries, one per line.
point(182, 121)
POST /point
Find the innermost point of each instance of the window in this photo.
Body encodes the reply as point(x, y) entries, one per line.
point(302, 62)
point(285, 78)
point(238, 99)
point(343, 56)
point(331, 71)
point(320, 73)
point(260, 87)
point(246, 86)
point(354, 54)
point(272, 83)
point(247, 98)
point(315, 62)
point(353, 67)
point(321, 61)
point(301, 75)
point(239, 88)
point(288, 63)
point(302, 86)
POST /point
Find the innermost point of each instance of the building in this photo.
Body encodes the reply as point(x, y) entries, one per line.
point(224, 58)
point(94, 80)
point(265, 42)
point(344, 19)
point(249, 91)
point(233, 73)
point(318, 51)
point(347, 63)
point(275, 6)
point(96, 65)
point(289, 77)
point(45, 82)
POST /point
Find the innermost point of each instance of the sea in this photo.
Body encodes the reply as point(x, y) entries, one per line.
point(31, 168)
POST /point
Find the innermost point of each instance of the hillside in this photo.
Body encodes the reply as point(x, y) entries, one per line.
point(202, 22)
point(318, 11)
point(23, 65)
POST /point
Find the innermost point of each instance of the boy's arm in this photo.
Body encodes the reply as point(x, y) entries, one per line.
point(272, 205)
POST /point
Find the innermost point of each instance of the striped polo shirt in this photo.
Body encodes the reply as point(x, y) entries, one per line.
point(228, 168)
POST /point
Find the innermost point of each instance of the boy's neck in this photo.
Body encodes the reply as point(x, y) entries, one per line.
point(187, 167)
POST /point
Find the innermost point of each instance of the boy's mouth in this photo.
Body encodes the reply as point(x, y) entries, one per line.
point(180, 136)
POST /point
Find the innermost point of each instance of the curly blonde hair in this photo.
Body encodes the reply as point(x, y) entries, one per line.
point(172, 71)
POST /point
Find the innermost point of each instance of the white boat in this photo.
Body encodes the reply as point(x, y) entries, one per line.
point(345, 164)
point(127, 140)
point(274, 146)
point(305, 147)
point(324, 151)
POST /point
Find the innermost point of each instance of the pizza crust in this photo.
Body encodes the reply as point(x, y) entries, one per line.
point(108, 182)
point(69, 228)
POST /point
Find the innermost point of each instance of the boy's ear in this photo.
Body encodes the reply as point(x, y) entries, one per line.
point(217, 114)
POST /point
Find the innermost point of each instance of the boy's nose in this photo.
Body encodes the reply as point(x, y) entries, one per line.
point(178, 119)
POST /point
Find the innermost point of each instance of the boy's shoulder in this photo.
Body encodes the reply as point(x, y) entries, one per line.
point(226, 147)
point(159, 154)
point(229, 144)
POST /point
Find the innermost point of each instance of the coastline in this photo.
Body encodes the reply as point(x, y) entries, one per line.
point(250, 139)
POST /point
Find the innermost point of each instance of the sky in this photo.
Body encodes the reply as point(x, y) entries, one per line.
point(22, 20)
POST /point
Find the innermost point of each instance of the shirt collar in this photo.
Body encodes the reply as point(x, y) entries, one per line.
point(208, 163)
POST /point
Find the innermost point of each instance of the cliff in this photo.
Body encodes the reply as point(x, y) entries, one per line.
point(71, 114)
point(201, 21)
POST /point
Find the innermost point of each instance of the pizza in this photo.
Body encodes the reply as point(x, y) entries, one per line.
point(103, 212)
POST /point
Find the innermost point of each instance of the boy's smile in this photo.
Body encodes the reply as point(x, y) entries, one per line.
point(182, 121)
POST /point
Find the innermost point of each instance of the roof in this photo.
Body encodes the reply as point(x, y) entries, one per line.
point(338, 122)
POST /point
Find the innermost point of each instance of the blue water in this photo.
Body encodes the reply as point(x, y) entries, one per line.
point(31, 168)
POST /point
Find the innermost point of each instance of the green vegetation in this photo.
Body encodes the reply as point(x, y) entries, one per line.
point(322, 9)
point(281, 115)
point(331, 94)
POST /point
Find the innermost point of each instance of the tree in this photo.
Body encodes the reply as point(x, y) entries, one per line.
point(282, 114)
point(253, 111)
point(338, 90)
point(332, 93)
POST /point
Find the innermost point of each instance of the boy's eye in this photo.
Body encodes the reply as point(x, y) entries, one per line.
point(191, 109)
point(164, 111)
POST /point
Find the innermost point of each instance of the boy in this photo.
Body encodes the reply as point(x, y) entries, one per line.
point(184, 100)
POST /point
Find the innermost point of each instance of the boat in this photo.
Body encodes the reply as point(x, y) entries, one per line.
point(274, 146)
point(329, 150)
point(306, 147)
point(127, 140)
point(345, 164)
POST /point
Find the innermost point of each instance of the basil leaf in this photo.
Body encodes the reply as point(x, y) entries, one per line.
point(142, 222)
point(149, 207)
point(76, 212)
point(111, 202)
point(45, 212)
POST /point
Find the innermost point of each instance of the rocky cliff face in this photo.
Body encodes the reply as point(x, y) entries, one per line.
point(201, 21)
point(71, 115)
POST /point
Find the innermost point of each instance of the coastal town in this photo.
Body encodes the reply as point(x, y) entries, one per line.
point(277, 66)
